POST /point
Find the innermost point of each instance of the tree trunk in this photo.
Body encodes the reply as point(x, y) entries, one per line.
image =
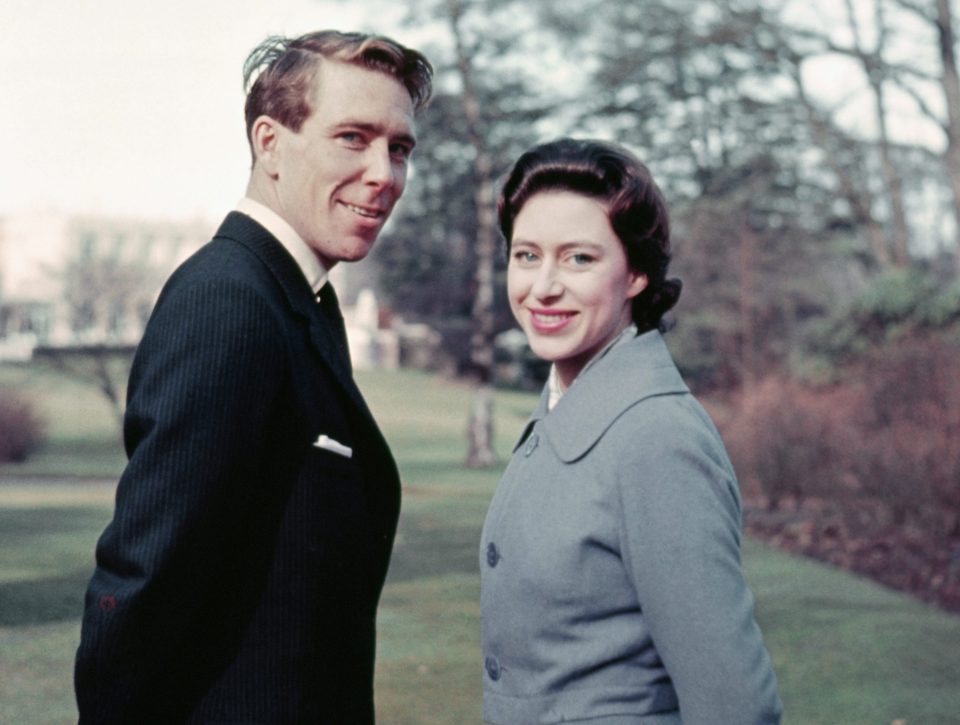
point(480, 429)
point(951, 91)
point(747, 302)
point(859, 198)
point(873, 67)
point(480, 420)
point(480, 452)
point(899, 234)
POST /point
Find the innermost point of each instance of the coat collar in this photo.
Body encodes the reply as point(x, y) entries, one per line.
point(248, 232)
point(301, 299)
point(632, 370)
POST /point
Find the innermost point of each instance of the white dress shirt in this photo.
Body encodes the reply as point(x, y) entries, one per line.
point(301, 252)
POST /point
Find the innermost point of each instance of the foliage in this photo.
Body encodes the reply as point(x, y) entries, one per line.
point(892, 309)
point(427, 264)
point(22, 429)
point(785, 439)
point(870, 468)
point(890, 434)
point(909, 457)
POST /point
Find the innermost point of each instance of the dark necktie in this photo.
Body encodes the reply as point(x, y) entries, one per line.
point(330, 307)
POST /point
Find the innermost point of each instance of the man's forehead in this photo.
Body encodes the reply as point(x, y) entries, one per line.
point(360, 97)
point(341, 73)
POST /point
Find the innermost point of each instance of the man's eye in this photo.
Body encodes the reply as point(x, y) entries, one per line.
point(400, 151)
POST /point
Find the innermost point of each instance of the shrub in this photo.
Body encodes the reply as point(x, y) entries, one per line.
point(785, 439)
point(887, 441)
point(22, 429)
point(910, 452)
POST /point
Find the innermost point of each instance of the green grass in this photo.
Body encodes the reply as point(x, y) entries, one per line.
point(846, 651)
point(83, 438)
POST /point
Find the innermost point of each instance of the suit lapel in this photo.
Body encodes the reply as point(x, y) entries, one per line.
point(244, 230)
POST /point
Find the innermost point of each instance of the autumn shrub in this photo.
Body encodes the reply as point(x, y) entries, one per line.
point(22, 429)
point(909, 454)
point(785, 439)
point(885, 444)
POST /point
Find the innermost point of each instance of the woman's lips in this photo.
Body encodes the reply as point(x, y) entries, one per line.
point(547, 321)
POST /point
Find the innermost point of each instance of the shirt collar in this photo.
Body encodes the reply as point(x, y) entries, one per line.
point(301, 252)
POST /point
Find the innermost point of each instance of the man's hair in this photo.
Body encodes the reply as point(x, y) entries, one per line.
point(635, 206)
point(278, 73)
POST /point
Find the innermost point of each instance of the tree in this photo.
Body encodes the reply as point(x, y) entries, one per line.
point(939, 15)
point(783, 209)
point(905, 50)
point(105, 367)
point(483, 115)
point(108, 300)
point(697, 91)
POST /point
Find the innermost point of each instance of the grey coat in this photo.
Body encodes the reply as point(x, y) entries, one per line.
point(611, 585)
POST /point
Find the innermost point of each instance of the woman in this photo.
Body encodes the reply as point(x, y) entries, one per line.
point(612, 591)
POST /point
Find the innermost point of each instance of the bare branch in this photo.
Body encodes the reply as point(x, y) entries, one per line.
point(921, 102)
point(920, 10)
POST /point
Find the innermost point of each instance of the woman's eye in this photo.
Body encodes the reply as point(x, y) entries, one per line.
point(524, 257)
point(581, 259)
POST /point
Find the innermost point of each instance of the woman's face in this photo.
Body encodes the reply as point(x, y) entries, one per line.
point(568, 279)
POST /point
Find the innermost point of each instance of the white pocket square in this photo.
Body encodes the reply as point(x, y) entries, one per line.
point(328, 444)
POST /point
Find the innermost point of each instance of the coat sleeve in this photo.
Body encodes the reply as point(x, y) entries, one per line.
point(680, 538)
point(202, 395)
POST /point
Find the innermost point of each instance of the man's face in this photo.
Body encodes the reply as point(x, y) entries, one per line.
point(338, 178)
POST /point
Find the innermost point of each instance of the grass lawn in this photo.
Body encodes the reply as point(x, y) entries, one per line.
point(845, 650)
point(83, 436)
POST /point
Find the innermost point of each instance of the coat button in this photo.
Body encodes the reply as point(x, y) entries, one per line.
point(531, 444)
point(493, 668)
point(493, 556)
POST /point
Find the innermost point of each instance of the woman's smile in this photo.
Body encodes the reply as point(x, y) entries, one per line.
point(568, 279)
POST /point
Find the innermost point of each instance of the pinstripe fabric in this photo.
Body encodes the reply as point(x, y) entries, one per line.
point(239, 577)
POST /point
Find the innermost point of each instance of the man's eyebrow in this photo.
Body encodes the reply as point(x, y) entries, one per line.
point(378, 129)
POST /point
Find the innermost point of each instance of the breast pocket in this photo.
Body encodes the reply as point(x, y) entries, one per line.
point(328, 506)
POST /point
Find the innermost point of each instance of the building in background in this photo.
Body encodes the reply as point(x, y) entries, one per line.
point(68, 280)
point(76, 281)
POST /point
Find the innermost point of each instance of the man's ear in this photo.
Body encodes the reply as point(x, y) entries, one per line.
point(265, 138)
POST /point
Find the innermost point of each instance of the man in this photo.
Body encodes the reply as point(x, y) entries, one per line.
point(239, 578)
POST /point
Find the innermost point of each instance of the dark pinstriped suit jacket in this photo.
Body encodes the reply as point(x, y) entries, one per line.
point(239, 578)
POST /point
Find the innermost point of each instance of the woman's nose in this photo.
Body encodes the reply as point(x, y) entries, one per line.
point(547, 284)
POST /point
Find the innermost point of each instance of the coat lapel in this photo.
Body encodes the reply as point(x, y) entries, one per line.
point(632, 370)
point(284, 269)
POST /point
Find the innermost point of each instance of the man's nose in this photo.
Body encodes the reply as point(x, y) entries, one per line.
point(380, 170)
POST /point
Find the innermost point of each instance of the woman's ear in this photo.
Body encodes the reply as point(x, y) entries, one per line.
point(638, 283)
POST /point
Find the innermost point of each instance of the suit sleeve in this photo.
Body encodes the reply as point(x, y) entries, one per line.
point(680, 538)
point(202, 395)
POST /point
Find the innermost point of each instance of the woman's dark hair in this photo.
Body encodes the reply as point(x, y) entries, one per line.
point(635, 205)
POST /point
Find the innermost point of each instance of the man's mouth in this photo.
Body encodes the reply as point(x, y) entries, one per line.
point(365, 211)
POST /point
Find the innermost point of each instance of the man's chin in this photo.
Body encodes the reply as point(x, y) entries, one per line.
point(356, 251)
